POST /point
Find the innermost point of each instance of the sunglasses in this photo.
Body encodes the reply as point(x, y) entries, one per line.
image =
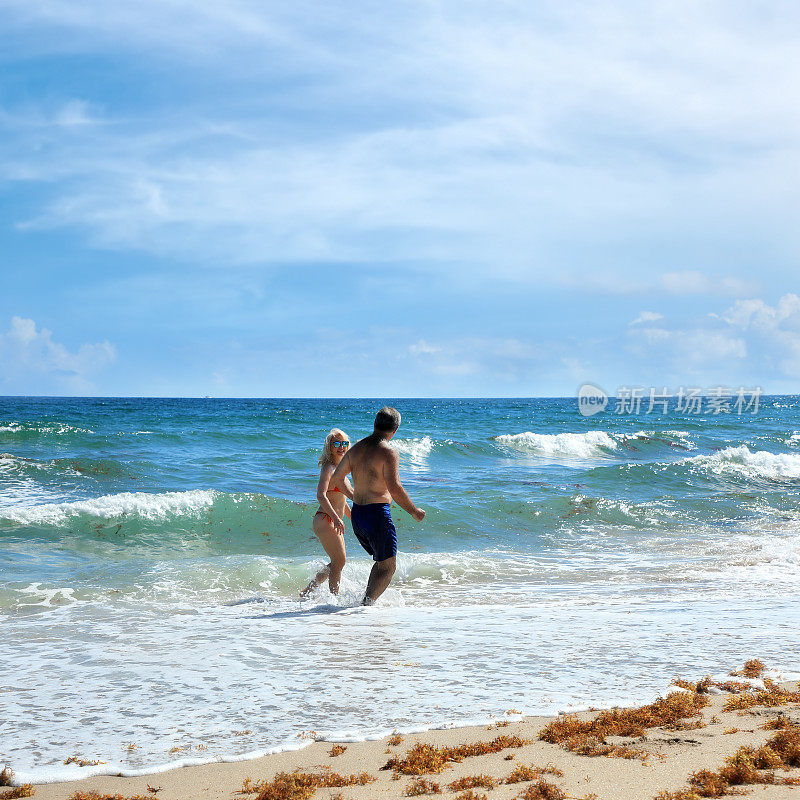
point(340, 445)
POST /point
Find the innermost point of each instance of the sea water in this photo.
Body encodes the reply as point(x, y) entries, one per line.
point(152, 551)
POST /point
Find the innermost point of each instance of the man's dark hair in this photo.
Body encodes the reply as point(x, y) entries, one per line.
point(387, 420)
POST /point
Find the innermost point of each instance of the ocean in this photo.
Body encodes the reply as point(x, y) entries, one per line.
point(152, 551)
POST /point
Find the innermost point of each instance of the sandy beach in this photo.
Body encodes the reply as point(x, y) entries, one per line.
point(638, 766)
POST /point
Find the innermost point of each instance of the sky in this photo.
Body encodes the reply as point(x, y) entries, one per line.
point(426, 198)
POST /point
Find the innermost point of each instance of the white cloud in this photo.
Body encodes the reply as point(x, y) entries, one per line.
point(758, 315)
point(690, 282)
point(647, 316)
point(678, 283)
point(773, 330)
point(444, 134)
point(423, 348)
point(29, 357)
point(697, 347)
point(751, 341)
point(74, 113)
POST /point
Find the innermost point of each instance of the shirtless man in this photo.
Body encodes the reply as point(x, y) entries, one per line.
point(376, 482)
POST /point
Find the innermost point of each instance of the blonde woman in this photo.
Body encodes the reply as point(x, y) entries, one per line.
point(328, 524)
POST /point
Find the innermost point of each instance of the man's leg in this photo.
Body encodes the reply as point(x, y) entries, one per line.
point(379, 579)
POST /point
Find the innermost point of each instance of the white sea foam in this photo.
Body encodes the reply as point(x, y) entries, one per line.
point(593, 444)
point(678, 439)
point(753, 683)
point(153, 678)
point(759, 464)
point(58, 428)
point(416, 449)
point(35, 595)
point(146, 506)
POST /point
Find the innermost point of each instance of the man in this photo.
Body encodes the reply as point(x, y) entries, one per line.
point(376, 482)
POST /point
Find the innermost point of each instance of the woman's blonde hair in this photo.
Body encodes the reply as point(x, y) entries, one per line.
point(327, 456)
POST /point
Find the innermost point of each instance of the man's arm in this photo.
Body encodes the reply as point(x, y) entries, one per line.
point(340, 473)
point(391, 474)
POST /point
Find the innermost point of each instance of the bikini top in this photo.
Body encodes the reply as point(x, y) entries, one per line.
point(335, 489)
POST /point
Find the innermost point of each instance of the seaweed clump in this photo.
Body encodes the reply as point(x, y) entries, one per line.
point(473, 782)
point(470, 795)
point(83, 762)
point(299, 785)
point(542, 790)
point(590, 738)
point(97, 796)
point(26, 790)
point(769, 698)
point(701, 687)
point(6, 776)
point(747, 766)
point(423, 758)
point(777, 723)
point(337, 750)
point(752, 669)
point(522, 773)
point(421, 786)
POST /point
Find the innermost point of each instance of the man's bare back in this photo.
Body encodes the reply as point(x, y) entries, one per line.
point(370, 460)
point(374, 464)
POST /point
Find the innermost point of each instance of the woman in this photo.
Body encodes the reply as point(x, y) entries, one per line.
point(332, 507)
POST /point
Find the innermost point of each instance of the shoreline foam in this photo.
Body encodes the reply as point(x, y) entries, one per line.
point(672, 755)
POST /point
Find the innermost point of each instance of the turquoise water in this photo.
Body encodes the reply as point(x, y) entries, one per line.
point(151, 552)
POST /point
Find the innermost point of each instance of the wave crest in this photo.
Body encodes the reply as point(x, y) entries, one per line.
point(593, 444)
point(760, 464)
point(416, 449)
point(110, 507)
point(26, 429)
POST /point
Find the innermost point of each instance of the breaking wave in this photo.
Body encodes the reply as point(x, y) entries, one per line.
point(165, 524)
point(416, 449)
point(759, 465)
point(594, 444)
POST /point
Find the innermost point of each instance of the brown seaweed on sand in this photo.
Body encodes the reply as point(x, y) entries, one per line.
point(6, 776)
point(421, 786)
point(299, 785)
point(26, 790)
point(337, 750)
point(589, 738)
point(97, 796)
point(701, 687)
point(542, 790)
point(423, 758)
point(773, 696)
point(752, 669)
point(522, 773)
point(747, 766)
point(473, 782)
point(777, 723)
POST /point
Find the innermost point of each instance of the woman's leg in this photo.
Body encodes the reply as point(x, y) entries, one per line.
point(334, 547)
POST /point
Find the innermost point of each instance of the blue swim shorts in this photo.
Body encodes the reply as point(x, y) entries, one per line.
point(373, 527)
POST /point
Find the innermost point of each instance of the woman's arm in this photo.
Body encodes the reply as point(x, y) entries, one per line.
point(324, 503)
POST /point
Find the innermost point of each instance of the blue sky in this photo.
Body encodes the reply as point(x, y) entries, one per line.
point(429, 198)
